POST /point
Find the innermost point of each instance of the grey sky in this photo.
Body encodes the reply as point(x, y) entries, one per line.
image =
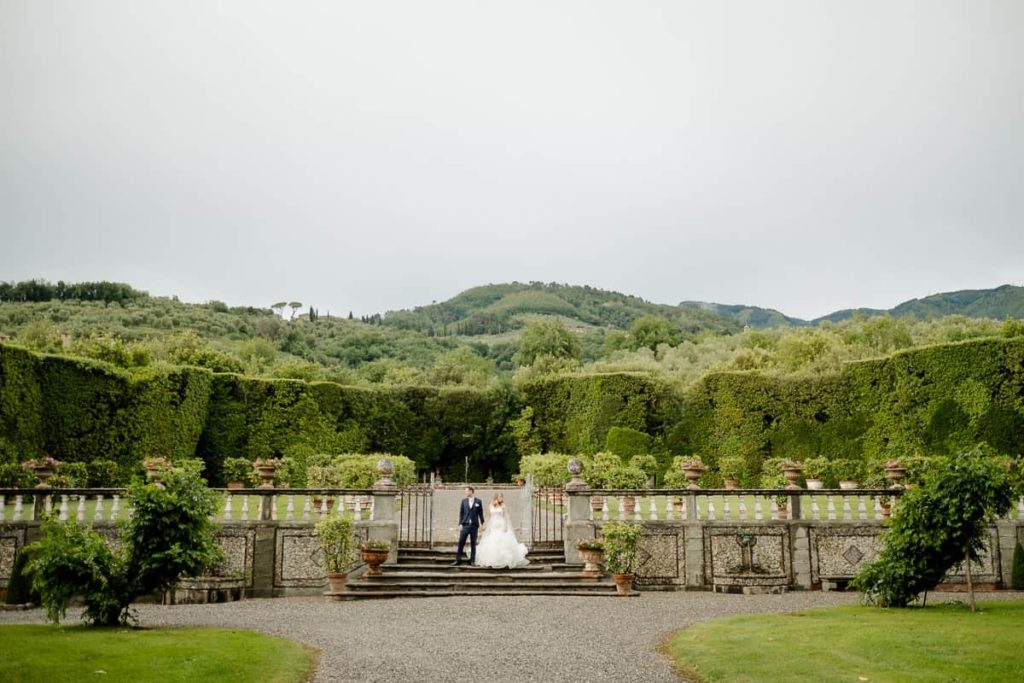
point(807, 156)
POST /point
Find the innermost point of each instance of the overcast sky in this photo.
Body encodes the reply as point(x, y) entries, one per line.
point(366, 156)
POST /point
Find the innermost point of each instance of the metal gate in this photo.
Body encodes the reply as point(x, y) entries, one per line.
point(416, 516)
point(549, 507)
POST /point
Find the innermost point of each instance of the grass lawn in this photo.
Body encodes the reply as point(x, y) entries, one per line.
point(936, 643)
point(77, 653)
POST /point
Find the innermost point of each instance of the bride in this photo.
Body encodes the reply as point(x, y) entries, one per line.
point(499, 547)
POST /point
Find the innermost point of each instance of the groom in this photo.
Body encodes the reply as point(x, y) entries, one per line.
point(471, 516)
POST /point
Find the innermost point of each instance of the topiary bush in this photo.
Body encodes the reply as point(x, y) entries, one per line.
point(936, 525)
point(1017, 576)
point(169, 533)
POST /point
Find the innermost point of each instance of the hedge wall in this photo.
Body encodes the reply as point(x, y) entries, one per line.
point(932, 401)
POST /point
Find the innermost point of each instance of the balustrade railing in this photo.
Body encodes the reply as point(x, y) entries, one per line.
point(745, 505)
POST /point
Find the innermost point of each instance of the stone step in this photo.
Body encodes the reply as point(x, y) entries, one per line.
point(383, 595)
point(444, 566)
point(457, 576)
point(369, 586)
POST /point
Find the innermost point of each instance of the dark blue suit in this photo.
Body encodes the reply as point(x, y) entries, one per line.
point(470, 520)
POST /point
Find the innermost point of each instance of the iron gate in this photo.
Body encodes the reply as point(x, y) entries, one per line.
point(416, 516)
point(548, 510)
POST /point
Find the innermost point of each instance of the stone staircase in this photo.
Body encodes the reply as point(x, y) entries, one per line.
point(427, 572)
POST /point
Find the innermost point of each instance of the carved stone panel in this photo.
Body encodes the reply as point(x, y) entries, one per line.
point(8, 549)
point(839, 552)
point(238, 546)
point(748, 556)
point(299, 559)
point(661, 558)
point(983, 570)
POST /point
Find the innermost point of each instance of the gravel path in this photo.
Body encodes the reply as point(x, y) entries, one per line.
point(503, 638)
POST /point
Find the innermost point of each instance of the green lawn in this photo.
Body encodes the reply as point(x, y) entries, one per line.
point(936, 643)
point(53, 654)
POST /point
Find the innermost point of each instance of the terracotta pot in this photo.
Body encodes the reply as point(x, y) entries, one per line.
point(629, 504)
point(234, 485)
point(783, 513)
point(692, 474)
point(373, 560)
point(266, 475)
point(623, 583)
point(317, 502)
point(895, 475)
point(732, 484)
point(886, 510)
point(677, 505)
point(592, 563)
point(337, 581)
point(792, 475)
point(596, 503)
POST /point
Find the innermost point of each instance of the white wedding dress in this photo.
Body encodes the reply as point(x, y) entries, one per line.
point(499, 547)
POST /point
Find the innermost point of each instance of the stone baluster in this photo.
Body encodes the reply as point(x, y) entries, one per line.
point(711, 509)
point(115, 509)
point(372, 504)
point(774, 508)
point(245, 508)
point(670, 513)
point(727, 508)
point(323, 505)
point(341, 505)
point(758, 516)
point(63, 514)
point(878, 507)
point(97, 513)
point(654, 508)
point(229, 514)
point(289, 511)
point(622, 507)
point(742, 508)
point(847, 511)
point(48, 505)
point(3, 510)
point(604, 509)
point(815, 508)
point(357, 508)
point(307, 508)
point(18, 509)
point(80, 512)
point(862, 509)
point(1020, 508)
point(638, 515)
point(831, 507)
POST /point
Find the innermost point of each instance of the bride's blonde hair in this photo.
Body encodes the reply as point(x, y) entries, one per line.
point(499, 499)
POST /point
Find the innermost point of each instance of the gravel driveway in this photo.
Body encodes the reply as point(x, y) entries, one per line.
point(501, 638)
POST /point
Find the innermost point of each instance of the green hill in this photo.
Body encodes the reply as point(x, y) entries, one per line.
point(754, 316)
point(498, 309)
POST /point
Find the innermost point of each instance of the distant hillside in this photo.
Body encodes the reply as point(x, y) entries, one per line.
point(753, 316)
point(997, 303)
point(498, 309)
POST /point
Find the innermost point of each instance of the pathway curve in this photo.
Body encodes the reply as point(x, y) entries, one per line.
point(498, 638)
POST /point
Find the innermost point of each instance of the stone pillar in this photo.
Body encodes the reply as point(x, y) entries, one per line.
point(578, 526)
point(1006, 532)
point(800, 553)
point(263, 560)
point(694, 548)
point(384, 526)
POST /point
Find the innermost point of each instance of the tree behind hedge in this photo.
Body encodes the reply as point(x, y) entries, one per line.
point(937, 525)
point(168, 534)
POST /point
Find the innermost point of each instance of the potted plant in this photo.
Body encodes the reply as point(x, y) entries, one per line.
point(778, 481)
point(374, 554)
point(847, 472)
point(238, 472)
point(791, 470)
point(591, 552)
point(337, 538)
point(731, 468)
point(815, 471)
point(692, 469)
point(895, 472)
point(265, 468)
point(43, 469)
point(624, 477)
point(621, 546)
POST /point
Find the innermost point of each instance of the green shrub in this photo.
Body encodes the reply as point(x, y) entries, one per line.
point(548, 469)
point(337, 538)
point(731, 467)
point(14, 476)
point(103, 474)
point(647, 464)
point(626, 442)
point(71, 475)
point(19, 587)
point(240, 470)
point(937, 524)
point(816, 468)
point(624, 477)
point(168, 534)
point(621, 546)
